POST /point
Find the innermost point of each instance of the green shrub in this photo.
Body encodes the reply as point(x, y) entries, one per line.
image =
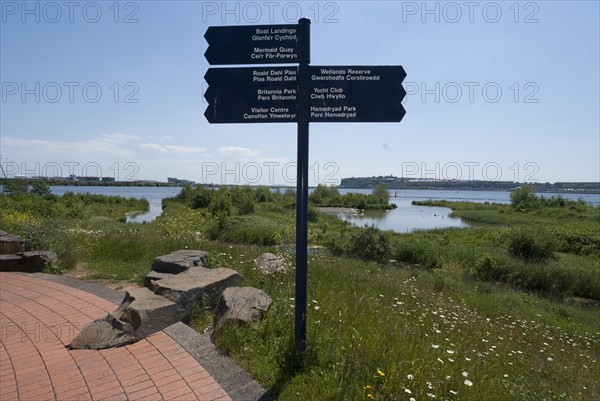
point(417, 253)
point(580, 242)
point(53, 268)
point(488, 268)
point(244, 199)
point(530, 245)
point(252, 230)
point(40, 188)
point(338, 245)
point(220, 203)
point(200, 198)
point(524, 199)
point(313, 214)
point(13, 187)
point(370, 244)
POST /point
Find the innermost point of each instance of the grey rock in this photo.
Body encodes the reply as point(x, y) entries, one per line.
point(140, 314)
point(31, 262)
point(197, 284)
point(10, 244)
point(179, 261)
point(244, 305)
point(38, 259)
point(103, 333)
point(269, 263)
point(172, 298)
point(10, 263)
point(147, 312)
point(154, 276)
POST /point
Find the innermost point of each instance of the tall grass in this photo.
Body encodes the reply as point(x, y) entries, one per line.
point(427, 332)
point(443, 315)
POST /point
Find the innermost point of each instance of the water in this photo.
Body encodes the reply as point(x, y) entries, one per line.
point(405, 218)
point(408, 217)
point(154, 195)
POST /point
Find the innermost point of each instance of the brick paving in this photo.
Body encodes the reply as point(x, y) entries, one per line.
point(39, 318)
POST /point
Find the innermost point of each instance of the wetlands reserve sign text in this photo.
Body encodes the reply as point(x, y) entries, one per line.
point(337, 94)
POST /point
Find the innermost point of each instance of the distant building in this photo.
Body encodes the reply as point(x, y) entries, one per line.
point(89, 179)
point(178, 181)
point(108, 179)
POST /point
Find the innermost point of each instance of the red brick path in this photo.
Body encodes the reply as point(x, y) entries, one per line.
point(38, 318)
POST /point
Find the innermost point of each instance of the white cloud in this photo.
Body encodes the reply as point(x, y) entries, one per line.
point(237, 151)
point(172, 148)
point(117, 137)
point(104, 144)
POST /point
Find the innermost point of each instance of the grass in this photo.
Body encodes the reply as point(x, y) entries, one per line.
point(453, 316)
point(431, 325)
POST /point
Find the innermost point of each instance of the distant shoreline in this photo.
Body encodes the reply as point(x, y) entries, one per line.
point(398, 184)
point(587, 188)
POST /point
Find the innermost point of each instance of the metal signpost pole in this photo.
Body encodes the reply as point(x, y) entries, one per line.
point(302, 185)
point(325, 94)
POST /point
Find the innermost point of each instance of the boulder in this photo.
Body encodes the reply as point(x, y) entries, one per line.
point(10, 263)
point(154, 276)
point(140, 314)
point(30, 262)
point(179, 261)
point(178, 282)
point(38, 259)
point(244, 305)
point(10, 244)
point(103, 333)
point(147, 312)
point(197, 284)
point(269, 263)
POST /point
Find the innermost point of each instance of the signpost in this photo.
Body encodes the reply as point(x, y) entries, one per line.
point(252, 95)
point(254, 44)
point(301, 94)
point(356, 94)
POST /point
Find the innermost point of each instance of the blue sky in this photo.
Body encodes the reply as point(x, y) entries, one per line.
point(496, 90)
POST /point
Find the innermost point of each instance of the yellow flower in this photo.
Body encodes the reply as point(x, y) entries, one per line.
point(370, 396)
point(380, 373)
point(368, 387)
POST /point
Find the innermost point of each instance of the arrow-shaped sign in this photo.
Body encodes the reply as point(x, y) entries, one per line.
point(356, 93)
point(253, 44)
point(252, 95)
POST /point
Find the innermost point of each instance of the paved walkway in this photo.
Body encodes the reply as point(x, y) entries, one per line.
point(39, 317)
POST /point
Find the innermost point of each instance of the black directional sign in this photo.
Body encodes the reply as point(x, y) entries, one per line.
point(254, 44)
point(337, 94)
point(301, 94)
point(252, 95)
point(356, 93)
